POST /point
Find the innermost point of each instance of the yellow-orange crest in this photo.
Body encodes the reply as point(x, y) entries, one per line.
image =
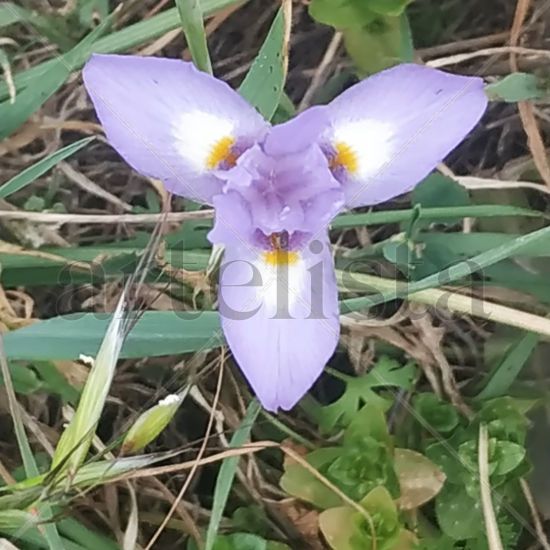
point(222, 151)
point(344, 157)
point(280, 257)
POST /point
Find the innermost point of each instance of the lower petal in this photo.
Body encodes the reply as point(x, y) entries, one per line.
point(280, 319)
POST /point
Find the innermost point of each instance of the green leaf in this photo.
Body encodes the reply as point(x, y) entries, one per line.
point(504, 419)
point(435, 413)
point(506, 372)
point(50, 80)
point(341, 14)
point(156, 333)
point(369, 421)
point(445, 455)
point(346, 529)
point(345, 221)
point(300, 483)
point(388, 7)
point(264, 82)
point(420, 479)
point(518, 87)
point(459, 516)
point(11, 13)
point(43, 510)
point(452, 273)
point(227, 473)
point(507, 456)
point(359, 390)
point(377, 46)
point(364, 464)
point(121, 41)
point(440, 191)
point(89, 10)
point(33, 172)
point(192, 22)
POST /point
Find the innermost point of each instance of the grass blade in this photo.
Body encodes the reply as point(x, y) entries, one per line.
point(75, 441)
point(31, 469)
point(227, 473)
point(264, 82)
point(192, 22)
point(453, 273)
point(28, 175)
point(47, 82)
point(122, 40)
point(509, 368)
point(345, 221)
point(156, 333)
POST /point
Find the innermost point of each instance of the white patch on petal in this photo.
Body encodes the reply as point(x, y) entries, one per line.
point(283, 287)
point(196, 135)
point(370, 140)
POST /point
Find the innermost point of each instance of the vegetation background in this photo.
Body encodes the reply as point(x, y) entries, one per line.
point(430, 427)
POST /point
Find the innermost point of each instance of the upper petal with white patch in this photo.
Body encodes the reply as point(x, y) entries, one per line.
point(170, 121)
point(280, 318)
point(388, 132)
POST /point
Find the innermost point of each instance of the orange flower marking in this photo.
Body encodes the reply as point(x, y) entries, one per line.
point(222, 152)
point(280, 255)
point(345, 157)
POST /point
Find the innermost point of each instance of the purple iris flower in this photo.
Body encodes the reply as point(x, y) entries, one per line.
point(275, 189)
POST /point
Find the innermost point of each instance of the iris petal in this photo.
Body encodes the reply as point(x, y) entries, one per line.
point(170, 121)
point(280, 321)
point(389, 131)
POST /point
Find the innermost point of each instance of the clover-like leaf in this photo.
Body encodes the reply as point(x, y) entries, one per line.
point(360, 390)
point(459, 515)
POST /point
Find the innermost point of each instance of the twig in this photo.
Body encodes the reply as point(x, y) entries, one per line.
point(459, 58)
point(197, 461)
point(461, 45)
point(491, 525)
point(526, 112)
point(321, 70)
point(91, 187)
point(148, 219)
point(541, 535)
point(473, 183)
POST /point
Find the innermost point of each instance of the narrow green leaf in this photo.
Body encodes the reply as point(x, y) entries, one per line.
point(10, 13)
point(227, 473)
point(263, 85)
point(156, 333)
point(509, 368)
point(75, 441)
point(452, 273)
point(29, 463)
point(33, 172)
point(345, 221)
point(192, 22)
point(50, 80)
point(122, 40)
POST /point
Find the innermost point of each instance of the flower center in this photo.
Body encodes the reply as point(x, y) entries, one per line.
point(344, 157)
point(279, 253)
point(222, 152)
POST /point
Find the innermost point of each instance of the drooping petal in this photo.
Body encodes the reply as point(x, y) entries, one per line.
point(389, 131)
point(280, 321)
point(170, 121)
